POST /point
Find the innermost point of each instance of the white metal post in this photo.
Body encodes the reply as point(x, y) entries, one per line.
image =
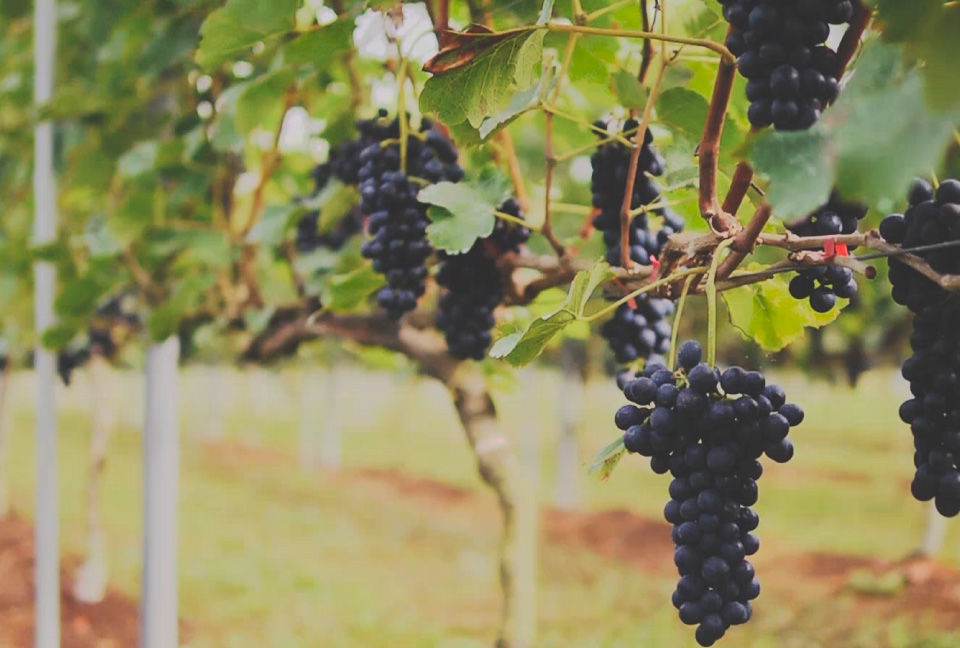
point(161, 467)
point(47, 530)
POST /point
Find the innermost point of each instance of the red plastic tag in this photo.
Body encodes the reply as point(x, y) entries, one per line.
point(830, 248)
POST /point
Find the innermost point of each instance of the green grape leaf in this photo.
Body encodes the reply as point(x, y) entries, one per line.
point(58, 336)
point(606, 460)
point(459, 215)
point(138, 160)
point(273, 225)
point(320, 47)
point(165, 319)
point(766, 313)
point(483, 86)
point(522, 101)
point(344, 292)
point(928, 31)
point(684, 112)
point(262, 101)
point(240, 24)
point(209, 247)
point(334, 202)
point(800, 167)
point(592, 59)
point(522, 347)
point(629, 91)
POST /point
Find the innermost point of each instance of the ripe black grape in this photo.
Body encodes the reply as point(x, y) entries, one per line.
point(473, 287)
point(823, 284)
point(933, 413)
point(709, 430)
point(397, 221)
point(781, 51)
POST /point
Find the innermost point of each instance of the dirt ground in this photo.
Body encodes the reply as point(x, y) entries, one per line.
point(920, 586)
point(112, 623)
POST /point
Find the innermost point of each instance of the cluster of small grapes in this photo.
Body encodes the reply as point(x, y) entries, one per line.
point(932, 414)
point(933, 217)
point(692, 423)
point(309, 237)
point(344, 165)
point(638, 329)
point(779, 45)
point(473, 287)
point(397, 221)
point(823, 284)
point(611, 163)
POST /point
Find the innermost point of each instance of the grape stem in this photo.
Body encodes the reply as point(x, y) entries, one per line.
point(510, 218)
point(402, 112)
point(709, 150)
point(712, 302)
point(742, 244)
point(675, 332)
point(680, 274)
point(851, 38)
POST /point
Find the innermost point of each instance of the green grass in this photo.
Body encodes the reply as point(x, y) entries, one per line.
point(271, 555)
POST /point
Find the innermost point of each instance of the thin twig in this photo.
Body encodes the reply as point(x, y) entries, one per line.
point(638, 141)
point(514, 169)
point(744, 241)
point(851, 38)
point(709, 151)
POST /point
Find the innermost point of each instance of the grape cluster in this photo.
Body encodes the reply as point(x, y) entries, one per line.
point(611, 163)
point(933, 370)
point(933, 413)
point(780, 50)
point(397, 222)
point(640, 328)
point(343, 164)
point(506, 236)
point(823, 284)
point(709, 430)
point(933, 217)
point(473, 287)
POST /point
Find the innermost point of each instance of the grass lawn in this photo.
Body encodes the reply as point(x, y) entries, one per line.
point(272, 555)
